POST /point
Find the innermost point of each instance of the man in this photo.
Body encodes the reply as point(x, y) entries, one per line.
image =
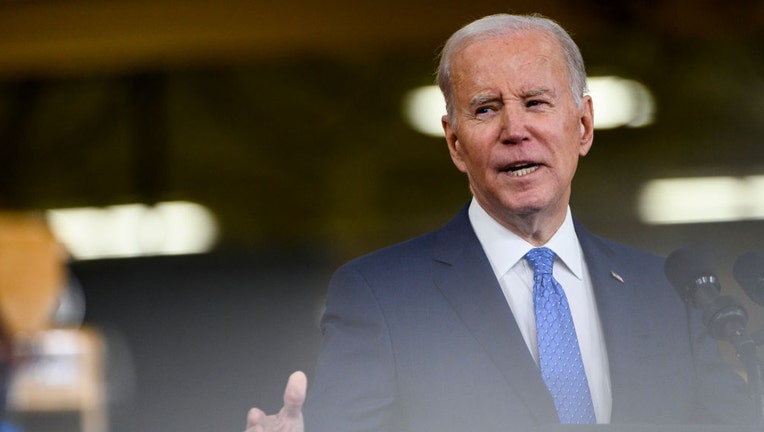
point(440, 333)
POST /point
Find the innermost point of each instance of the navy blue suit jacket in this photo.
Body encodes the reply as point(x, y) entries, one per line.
point(419, 337)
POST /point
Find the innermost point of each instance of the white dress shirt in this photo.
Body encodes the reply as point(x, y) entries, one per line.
point(505, 251)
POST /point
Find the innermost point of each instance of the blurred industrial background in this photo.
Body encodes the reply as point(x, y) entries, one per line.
point(277, 133)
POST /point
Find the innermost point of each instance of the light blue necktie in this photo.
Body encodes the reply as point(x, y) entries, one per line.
point(559, 354)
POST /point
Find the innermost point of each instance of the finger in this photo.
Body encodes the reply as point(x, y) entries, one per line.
point(294, 394)
point(255, 417)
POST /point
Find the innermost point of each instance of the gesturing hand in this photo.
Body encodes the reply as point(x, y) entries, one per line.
point(289, 418)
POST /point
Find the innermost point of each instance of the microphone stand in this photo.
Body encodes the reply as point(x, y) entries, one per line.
point(726, 320)
point(746, 352)
point(723, 316)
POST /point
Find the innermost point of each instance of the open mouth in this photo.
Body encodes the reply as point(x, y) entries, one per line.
point(521, 169)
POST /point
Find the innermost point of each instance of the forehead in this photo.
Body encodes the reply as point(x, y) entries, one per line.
point(522, 58)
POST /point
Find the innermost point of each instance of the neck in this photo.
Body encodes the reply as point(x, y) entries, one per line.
point(537, 228)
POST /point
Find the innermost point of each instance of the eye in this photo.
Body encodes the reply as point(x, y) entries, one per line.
point(485, 111)
point(535, 103)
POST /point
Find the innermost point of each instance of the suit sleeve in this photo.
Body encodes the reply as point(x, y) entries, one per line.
point(354, 388)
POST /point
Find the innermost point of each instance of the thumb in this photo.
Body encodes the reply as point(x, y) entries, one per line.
point(294, 394)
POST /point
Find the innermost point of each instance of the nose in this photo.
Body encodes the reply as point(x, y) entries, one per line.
point(513, 126)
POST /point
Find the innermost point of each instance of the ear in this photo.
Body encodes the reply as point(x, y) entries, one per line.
point(586, 124)
point(454, 146)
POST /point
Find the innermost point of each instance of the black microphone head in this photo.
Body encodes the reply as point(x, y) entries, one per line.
point(698, 286)
point(749, 273)
point(685, 270)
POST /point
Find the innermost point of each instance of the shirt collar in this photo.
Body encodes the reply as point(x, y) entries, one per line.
point(505, 248)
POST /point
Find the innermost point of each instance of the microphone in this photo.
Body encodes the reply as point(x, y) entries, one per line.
point(698, 286)
point(722, 315)
point(749, 273)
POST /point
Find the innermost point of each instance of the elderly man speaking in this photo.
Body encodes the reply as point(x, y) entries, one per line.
point(512, 315)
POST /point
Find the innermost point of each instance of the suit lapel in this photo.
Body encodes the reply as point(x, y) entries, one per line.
point(464, 276)
point(614, 293)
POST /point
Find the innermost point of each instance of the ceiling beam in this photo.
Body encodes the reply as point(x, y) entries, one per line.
point(44, 38)
point(81, 36)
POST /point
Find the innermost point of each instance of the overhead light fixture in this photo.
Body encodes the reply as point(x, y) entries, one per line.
point(702, 200)
point(130, 230)
point(618, 102)
point(423, 107)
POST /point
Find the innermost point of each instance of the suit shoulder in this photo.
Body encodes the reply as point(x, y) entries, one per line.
point(420, 250)
point(410, 252)
point(633, 263)
point(621, 251)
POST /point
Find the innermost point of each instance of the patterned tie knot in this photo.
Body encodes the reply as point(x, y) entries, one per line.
point(541, 260)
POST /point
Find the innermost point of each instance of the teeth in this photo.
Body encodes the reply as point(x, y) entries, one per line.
point(523, 171)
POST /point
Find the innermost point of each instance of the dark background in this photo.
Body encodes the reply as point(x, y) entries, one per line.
point(193, 342)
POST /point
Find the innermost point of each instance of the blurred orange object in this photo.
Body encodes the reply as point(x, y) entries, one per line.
point(31, 273)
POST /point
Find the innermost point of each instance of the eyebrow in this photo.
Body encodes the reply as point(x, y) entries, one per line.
point(534, 92)
point(482, 99)
point(538, 91)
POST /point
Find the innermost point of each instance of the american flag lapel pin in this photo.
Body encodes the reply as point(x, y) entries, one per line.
point(616, 276)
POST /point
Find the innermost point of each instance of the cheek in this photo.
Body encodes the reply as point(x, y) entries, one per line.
point(468, 149)
point(570, 164)
point(478, 160)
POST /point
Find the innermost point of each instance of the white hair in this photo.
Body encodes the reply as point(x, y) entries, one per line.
point(505, 24)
